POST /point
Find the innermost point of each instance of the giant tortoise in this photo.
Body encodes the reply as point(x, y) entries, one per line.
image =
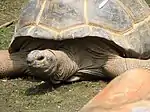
point(71, 40)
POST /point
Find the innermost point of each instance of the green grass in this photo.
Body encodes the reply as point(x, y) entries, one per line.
point(9, 10)
point(5, 37)
point(21, 95)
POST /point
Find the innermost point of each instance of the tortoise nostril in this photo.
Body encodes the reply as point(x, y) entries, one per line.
point(29, 61)
point(40, 58)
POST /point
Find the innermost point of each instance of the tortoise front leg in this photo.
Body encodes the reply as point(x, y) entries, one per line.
point(12, 64)
point(117, 65)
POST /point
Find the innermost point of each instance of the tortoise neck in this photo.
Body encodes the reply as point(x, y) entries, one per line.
point(66, 66)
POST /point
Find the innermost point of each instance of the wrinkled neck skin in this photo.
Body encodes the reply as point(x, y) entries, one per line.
point(64, 68)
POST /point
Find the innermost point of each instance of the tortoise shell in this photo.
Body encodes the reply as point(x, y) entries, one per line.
point(125, 22)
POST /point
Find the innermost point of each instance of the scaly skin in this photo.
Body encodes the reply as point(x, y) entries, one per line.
point(117, 65)
point(129, 92)
point(12, 64)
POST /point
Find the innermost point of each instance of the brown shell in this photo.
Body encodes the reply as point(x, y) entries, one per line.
point(126, 22)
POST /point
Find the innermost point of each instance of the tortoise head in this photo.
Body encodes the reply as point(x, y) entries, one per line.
point(42, 63)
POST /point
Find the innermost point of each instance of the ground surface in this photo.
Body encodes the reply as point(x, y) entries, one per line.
point(30, 95)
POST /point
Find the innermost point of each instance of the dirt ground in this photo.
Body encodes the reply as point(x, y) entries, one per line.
point(32, 95)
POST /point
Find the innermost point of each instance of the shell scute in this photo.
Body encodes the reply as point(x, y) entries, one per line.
point(138, 9)
point(61, 14)
point(111, 15)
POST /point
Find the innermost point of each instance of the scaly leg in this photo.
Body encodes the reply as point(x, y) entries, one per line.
point(117, 65)
point(12, 64)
